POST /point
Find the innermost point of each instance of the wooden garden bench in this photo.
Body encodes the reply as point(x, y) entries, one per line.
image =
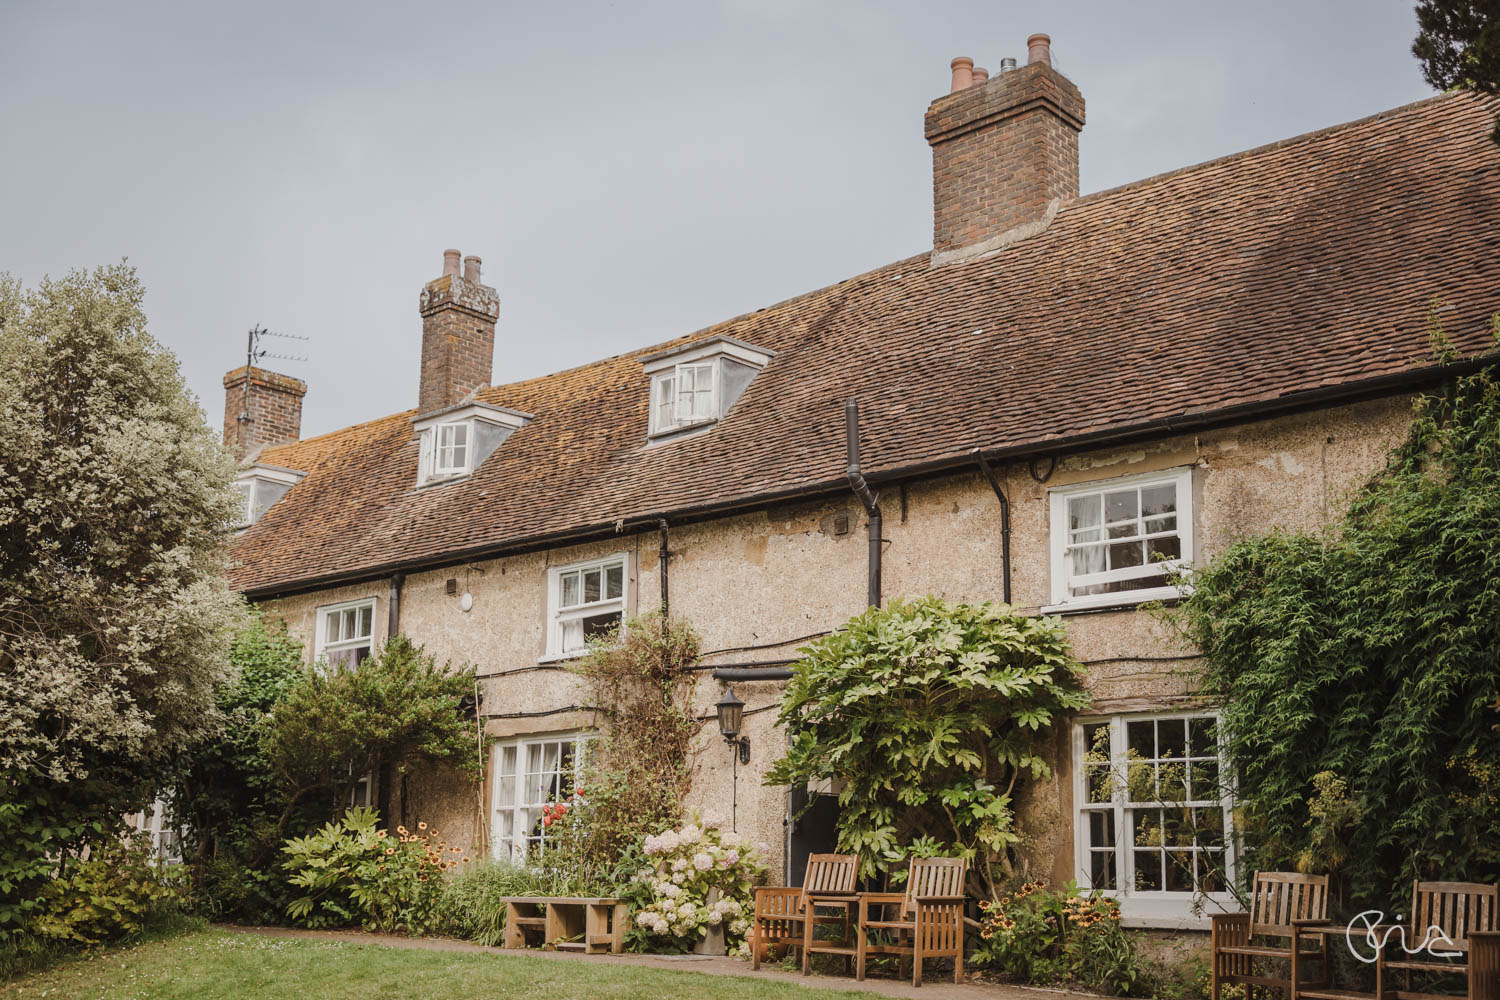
point(927, 920)
point(786, 917)
point(1464, 913)
point(592, 925)
point(1280, 904)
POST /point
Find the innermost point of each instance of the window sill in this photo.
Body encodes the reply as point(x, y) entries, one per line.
point(442, 480)
point(1113, 602)
point(557, 659)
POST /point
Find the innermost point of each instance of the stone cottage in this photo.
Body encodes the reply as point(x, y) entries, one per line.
point(1061, 399)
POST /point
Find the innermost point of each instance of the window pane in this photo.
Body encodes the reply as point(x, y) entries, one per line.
point(366, 619)
point(1169, 547)
point(614, 581)
point(1123, 554)
point(1177, 827)
point(1204, 741)
point(572, 636)
point(1147, 870)
point(1102, 869)
point(1089, 559)
point(1208, 827)
point(1159, 499)
point(569, 589)
point(1179, 871)
point(1126, 530)
point(596, 626)
point(1146, 827)
point(1171, 781)
point(1155, 524)
point(347, 625)
point(1120, 506)
point(331, 628)
point(1171, 738)
point(591, 588)
point(1211, 871)
point(508, 761)
point(1141, 738)
point(1083, 512)
point(1098, 782)
point(1101, 828)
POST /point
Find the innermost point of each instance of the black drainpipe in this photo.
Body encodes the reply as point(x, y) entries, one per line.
point(866, 496)
point(989, 473)
point(661, 526)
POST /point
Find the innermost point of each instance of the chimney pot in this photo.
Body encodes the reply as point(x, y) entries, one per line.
point(980, 75)
point(963, 74)
point(1007, 64)
point(450, 263)
point(1039, 49)
point(471, 269)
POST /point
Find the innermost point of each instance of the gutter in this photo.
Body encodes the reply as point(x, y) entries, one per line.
point(1323, 396)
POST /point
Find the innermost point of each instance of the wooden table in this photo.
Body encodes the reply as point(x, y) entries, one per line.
point(592, 925)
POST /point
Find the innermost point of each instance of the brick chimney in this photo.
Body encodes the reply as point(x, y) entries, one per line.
point(458, 334)
point(1002, 150)
point(261, 408)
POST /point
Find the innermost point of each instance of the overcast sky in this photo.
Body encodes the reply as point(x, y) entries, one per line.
point(628, 172)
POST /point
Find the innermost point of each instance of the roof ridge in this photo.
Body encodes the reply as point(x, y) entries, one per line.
point(1242, 154)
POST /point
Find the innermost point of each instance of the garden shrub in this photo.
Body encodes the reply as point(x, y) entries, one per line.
point(1041, 937)
point(931, 714)
point(470, 902)
point(1358, 669)
point(353, 871)
point(114, 893)
point(677, 871)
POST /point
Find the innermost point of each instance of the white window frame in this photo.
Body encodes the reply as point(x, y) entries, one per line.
point(668, 391)
point(158, 824)
point(1148, 908)
point(560, 615)
point(444, 463)
point(246, 490)
point(323, 649)
point(1059, 539)
point(517, 800)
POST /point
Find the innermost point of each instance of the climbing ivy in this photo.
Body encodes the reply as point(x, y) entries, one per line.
point(1359, 669)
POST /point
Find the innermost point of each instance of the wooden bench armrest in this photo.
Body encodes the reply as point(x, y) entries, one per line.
point(1486, 936)
point(882, 898)
point(1313, 922)
point(924, 900)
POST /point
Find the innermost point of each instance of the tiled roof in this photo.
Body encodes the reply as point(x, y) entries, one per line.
point(1305, 265)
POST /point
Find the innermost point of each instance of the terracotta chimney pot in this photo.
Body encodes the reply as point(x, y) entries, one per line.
point(1039, 49)
point(471, 269)
point(450, 262)
point(980, 75)
point(963, 74)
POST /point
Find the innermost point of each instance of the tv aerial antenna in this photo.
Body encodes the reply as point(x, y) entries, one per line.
point(254, 352)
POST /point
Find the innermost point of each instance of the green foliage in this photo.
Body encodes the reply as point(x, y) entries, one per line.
point(112, 894)
point(1459, 45)
point(115, 513)
point(637, 770)
point(399, 708)
point(471, 905)
point(353, 871)
point(1359, 671)
point(931, 714)
point(227, 795)
point(1042, 937)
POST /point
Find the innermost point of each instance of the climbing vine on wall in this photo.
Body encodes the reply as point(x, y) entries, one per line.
point(1360, 669)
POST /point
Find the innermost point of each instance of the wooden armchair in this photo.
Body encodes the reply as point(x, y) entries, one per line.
point(783, 918)
point(1280, 903)
point(927, 920)
point(1463, 913)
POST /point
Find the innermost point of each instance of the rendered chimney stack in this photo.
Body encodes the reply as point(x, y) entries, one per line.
point(261, 408)
point(1003, 150)
point(963, 74)
point(458, 334)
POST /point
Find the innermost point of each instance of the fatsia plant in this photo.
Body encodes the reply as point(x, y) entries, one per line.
point(931, 714)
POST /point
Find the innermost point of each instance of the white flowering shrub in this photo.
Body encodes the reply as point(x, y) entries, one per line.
point(670, 892)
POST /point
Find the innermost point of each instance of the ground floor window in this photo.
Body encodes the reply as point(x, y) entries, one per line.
point(526, 774)
point(157, 824)
point(1154, 814)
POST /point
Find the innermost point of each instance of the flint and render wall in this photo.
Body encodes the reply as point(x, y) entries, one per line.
point(768, 579)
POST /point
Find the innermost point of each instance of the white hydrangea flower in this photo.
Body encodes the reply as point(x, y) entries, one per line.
point(738, 926)
point(733, 857)
point(702, 861)
point(716, 918)
point(731, 839)
point(679, 864)
point(689, 834)
point(677, 878)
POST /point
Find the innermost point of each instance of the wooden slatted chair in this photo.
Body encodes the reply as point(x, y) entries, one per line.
point(927, 920)
point(1464, 917)
point(782, 916)
point(1280, 903)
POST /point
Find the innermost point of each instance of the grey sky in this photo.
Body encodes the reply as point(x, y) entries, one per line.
point(628, 172)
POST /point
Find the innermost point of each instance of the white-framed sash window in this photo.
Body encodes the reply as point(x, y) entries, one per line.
point(684, 396)
point(527, 773)
point(1119, 541)
point(1154, 816)
point(345, 636)
point(452, 455)
point(584, 600)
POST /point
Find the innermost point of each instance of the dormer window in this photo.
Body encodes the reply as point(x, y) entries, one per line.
point(261, 486)
point(694, 386)
point(456, 441)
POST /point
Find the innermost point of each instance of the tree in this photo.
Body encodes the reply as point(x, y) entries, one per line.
point(1459, 46)
point(115, 514)
point(933, 715)
point(398, 707)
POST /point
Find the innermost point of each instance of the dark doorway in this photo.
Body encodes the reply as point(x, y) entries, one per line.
point(814, 832)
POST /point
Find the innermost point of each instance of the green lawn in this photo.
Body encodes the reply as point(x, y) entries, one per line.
point(224, 965)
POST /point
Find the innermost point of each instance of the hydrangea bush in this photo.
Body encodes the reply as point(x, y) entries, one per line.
point(670, 892)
